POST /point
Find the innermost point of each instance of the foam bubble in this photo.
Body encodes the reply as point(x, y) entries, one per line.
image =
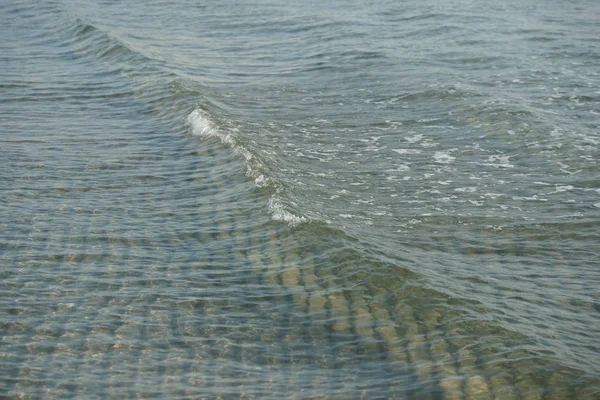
point(499, 161)
point(399, 168)
point(477, 203)
point(443, 158)
point(202, 125)
point(563, 188)
point(260, 181)
point(414, 139)
point(469, 189)
point(428, 143)
point(529, 198)
point(279, 213)
point(407, 151)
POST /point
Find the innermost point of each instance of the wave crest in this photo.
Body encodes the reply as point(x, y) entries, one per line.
point(202, 125)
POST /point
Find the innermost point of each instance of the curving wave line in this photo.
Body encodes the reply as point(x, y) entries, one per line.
point(107, 46)
point(202, 125)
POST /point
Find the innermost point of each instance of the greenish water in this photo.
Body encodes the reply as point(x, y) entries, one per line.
point(345, 200)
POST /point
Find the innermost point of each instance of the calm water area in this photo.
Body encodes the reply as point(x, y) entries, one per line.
point(300, 200)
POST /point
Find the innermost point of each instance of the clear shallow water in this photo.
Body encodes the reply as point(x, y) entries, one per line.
point(342, 200)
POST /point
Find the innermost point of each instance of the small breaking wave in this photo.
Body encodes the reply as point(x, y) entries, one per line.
point(279, 213)
point(202, 125)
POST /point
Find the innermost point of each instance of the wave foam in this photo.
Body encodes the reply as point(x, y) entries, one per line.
point(203, 125)
point(443, 157)
point(279, 213)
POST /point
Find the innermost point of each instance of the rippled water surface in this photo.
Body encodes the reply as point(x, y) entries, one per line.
point(333, 200)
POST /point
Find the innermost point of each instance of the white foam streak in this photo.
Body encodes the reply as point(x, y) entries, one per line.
point(443, 157)
point(202, 125)
point(279, 213)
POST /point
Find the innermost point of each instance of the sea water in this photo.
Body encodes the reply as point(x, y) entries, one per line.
point(333, 200)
